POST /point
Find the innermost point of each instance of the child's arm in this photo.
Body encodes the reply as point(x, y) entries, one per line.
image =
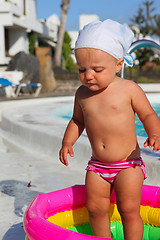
point(72, 133)
point(148, 117)
point(153, 139)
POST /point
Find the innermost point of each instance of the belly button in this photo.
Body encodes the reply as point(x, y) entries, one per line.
point(104, 146)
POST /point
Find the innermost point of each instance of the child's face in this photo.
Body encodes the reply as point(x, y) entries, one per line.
point(97, 69)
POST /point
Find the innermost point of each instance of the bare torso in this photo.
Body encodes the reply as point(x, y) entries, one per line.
point(110, 122)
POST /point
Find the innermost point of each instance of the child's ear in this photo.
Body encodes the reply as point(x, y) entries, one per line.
point(119, 64)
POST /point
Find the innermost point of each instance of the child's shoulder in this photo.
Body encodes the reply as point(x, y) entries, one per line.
point(128, 83)
point(131, 85)
point(81, 88)
point(81, 91)
point(133, 89)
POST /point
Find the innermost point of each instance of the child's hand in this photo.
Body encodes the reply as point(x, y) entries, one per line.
point(153, 141)
point(64, 152)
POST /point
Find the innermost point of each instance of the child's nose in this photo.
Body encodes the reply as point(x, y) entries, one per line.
point(89, 75)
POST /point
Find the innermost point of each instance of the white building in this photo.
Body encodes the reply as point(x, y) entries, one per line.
point(83, 20)
point(87, 18)
point(17, 19)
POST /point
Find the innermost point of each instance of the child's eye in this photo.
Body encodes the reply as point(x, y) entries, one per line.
point(98, 70)
point(82, 70)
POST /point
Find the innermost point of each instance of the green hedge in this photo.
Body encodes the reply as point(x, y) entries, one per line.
point(143, 76)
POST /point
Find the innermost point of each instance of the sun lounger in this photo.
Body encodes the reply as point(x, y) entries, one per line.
point(9, 87)
point(14, 90)
point(38, 87)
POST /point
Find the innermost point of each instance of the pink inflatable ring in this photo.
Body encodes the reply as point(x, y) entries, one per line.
point(62, 215)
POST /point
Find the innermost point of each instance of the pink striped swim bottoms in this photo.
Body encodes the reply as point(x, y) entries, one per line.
point(109, 171)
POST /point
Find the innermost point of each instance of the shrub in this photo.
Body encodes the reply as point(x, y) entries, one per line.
point(66, 59)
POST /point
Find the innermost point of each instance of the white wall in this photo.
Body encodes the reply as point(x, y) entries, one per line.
point(5, 19)
point(87, 18)
point(31, 11)
point(54, 19)
point(2, 45)
point(73, 35)
point(18, 42)
point(20, 4)
point(17, 2)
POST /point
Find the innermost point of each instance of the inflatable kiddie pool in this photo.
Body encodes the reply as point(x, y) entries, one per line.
point(62, 215)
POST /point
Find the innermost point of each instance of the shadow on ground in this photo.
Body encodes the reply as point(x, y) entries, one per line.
point(150, 153)
point(23, 196)
point(16, 232)
point(21, 192)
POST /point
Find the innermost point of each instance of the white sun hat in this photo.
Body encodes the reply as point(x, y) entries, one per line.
point(109, 36)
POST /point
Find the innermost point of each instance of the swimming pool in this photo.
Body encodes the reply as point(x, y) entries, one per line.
point(139, 126)
point(66, 111)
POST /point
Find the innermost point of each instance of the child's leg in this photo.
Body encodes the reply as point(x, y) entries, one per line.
point(97, 201)
point(128, 187)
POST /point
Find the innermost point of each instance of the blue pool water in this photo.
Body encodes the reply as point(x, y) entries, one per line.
point(139, 126)
point(66, 113)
